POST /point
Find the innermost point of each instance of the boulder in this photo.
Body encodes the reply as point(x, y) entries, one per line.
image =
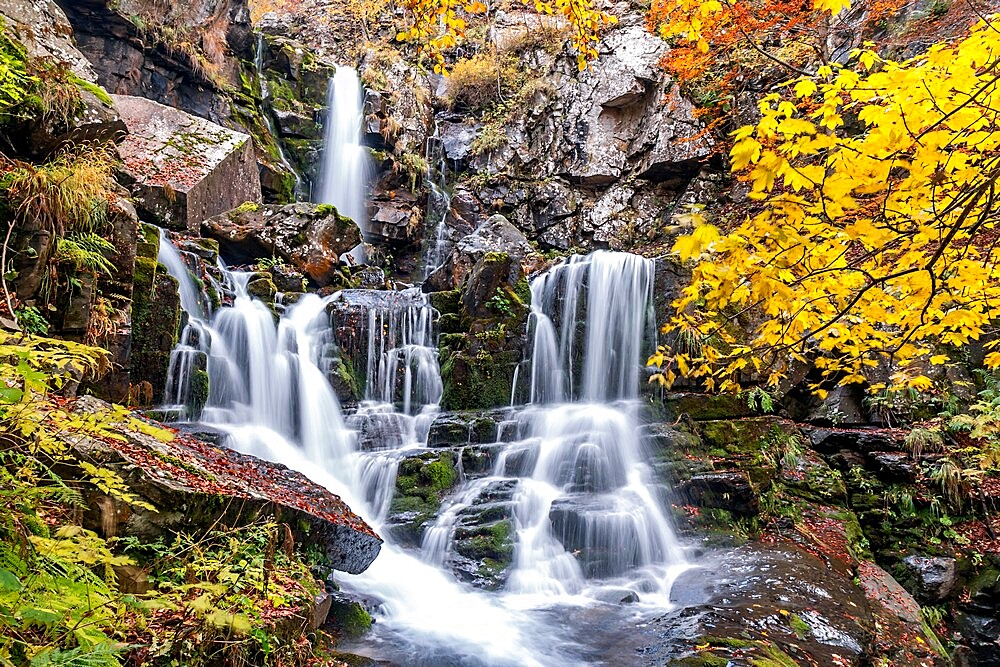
point(935, 577)
point(184, 169)
point(309, 237)
point(495, 237)
point(730, 491)
point(192, 484)
point(45, 32)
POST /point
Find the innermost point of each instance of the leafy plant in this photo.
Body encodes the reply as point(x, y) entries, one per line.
point(85, 252)
point(499, 303)
point(31, 321)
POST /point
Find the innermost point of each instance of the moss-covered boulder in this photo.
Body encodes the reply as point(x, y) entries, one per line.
point(421, 483)
point(309, 237)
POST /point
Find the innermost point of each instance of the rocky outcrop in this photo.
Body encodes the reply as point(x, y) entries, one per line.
point(191, 483)
point(183, 169)
point(309, 237)
point(593, 158)
point(47, 36)
point(184, 56)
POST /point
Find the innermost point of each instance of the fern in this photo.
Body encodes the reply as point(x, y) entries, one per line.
point(86, 252)
point(105, 654)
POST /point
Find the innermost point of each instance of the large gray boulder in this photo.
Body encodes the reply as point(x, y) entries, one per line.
point(309, 237)
point(184, 169)
point(495, 237)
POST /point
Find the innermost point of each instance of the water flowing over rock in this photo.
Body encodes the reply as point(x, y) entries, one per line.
point(184, 169)
point(344, 172)
point(309, 237)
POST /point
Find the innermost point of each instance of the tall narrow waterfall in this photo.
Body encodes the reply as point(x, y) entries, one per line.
point(344, 170)
point(588, 520)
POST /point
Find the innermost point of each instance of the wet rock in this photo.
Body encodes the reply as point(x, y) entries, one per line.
point(183, 169)
point(773, 603)
point(287, 279)
point(309, 237)
point(935, 577)
point(479, 460)
point(604, 542)
point(843, 405)
point(379, 429)
point(194, 484)
point(348, 617)
point(834, 440)
point(898, 466)
point(730, 491)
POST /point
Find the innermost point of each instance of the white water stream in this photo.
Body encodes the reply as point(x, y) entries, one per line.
point(343, 178)
point(587, 514)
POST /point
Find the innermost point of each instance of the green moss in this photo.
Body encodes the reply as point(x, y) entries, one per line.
point(446, 302)
point(247, 207)
point(706, 659)
point(350, 619)
point(92, 88)
point(496, 258)
point(522, 290)
point(441, 475)
point(326, 209)
point(199, 391)
point(477, 382)
point(798, 626)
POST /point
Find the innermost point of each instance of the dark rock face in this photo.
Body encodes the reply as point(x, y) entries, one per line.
point(130, 62)
point(194, 483)
point(309, 237)
point(184, 169)
point(156, 316)
point(935, 577)
point(730, 491)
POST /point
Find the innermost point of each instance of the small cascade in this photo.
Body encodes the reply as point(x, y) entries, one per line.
point(586, 514)
point(343, 179)
point(586, 509)
point(300, 192)
point(439, 246)
point(189, 357)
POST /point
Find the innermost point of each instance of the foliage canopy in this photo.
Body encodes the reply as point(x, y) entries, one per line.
point(874, 245)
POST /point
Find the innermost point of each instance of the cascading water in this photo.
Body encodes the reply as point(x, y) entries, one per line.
point(343, 179)
point(438, 203)
point(587, 518)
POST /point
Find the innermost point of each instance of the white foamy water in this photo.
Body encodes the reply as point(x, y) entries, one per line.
point(587, 517)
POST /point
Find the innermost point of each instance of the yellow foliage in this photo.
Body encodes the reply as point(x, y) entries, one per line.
point(872, 247)
point(438, 25)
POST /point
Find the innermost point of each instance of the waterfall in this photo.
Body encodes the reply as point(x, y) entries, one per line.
point(343, 179)
point(587, 518)
point(438, 204)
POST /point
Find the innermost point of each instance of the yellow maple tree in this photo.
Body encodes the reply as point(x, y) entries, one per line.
point(874, 239)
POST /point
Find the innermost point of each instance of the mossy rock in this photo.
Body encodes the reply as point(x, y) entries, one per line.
point(706, 407)
point(262, 288)
point(446, 302)
point(347, 617)
point(477, 382)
